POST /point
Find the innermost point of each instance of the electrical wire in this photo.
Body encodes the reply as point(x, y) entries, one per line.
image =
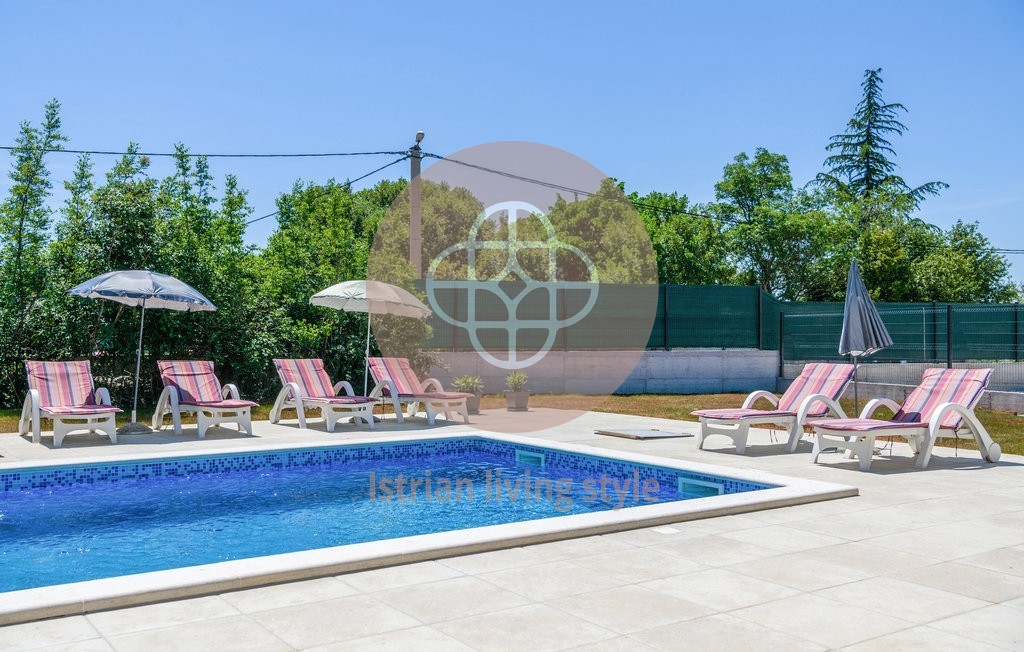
point(405, 155)
point(100, 152)
point(577, 191)
point(346, 184)
point(659, 209)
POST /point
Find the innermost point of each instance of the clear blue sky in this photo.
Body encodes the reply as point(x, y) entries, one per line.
point(660, 95)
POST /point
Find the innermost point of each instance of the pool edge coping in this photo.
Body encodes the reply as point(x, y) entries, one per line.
point(157, 586)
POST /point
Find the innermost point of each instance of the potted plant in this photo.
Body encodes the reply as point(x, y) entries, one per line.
point(517, 397)
point(470, 385)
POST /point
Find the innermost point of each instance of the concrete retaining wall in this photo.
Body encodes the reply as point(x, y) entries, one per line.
point(690, 371)
point(680, 371)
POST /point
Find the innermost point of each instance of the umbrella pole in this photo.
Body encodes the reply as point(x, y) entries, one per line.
point(138, 362)
point(856, 398)
point(366, 358)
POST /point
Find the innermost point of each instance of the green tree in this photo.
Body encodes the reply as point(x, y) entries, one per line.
point(202, 243)
point(606, 228)
point(775, 232)
point(748, 184)
point(24, 232)
point(74, 255)
point(965, 269)
point(689, 248)
point(323, 237)
point(862, 164)
point(125, 210)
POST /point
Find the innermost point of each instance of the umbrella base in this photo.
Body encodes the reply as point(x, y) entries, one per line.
point(134, 428)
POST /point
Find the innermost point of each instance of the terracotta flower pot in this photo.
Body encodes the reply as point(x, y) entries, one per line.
point(473, 404)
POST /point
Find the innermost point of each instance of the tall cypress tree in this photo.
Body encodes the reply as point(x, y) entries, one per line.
point(862, 164)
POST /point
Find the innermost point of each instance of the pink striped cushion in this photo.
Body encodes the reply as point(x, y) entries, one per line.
point(863, 425)
point(961, 386)
point(345, 400)
point(308, 374)
point(816, 378)
point(398, 371)
point(445, 396)
point(84, 410)
point(61, 384)
point(194, 380)
point(732, 414)
point(226, 404)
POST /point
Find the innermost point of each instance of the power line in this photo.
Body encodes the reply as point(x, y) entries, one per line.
point(100, 152)
point(578, 191)
point(664, 211)
point(346, 184)
point(404, 155)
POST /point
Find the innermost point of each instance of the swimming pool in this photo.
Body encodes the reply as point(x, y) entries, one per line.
point(103, 520)
point(251, 517)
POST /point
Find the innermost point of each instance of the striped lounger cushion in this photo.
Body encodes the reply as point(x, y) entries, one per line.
point(735, 414)
point(65, 388)
point(400, 372)
point(313, 382)
point(197, 384)
point(961, 386)
point(816, 378)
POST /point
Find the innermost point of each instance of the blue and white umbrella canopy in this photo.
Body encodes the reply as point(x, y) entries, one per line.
point(863, 330)
point(138, 287)
point(373, 298)
point(145, 289)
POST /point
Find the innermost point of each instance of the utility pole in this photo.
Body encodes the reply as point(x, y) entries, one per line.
point(415, 212)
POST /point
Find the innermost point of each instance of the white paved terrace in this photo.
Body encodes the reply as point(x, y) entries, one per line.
point(930, 559)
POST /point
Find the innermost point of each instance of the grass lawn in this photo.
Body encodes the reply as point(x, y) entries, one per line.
point(1004, 427)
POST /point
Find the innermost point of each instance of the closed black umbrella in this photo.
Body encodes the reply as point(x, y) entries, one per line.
point(863, 330)
point(137, 287)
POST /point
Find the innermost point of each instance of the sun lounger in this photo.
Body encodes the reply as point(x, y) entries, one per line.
point(942, 405)
point(398, 383)
point(791, 410)
point(63, 392)
point(191, 386)
point(307, 385)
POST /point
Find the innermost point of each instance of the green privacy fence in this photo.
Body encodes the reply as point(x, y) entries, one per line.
point(687, 316)
point(727, 316)
point(730, 316)
point(934, 333)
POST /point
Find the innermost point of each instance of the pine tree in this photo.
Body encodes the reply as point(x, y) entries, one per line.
point(863, 163)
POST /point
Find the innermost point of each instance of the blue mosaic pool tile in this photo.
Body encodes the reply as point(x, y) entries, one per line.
point(64, 476)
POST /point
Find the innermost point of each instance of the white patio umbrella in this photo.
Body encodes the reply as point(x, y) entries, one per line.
point(145, 289)
point(371, 297)
point(863, 330)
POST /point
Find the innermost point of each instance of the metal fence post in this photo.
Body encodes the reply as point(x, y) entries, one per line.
point(782, 349)
point(757, 294)
point(562, 312)
point(664, 313)
point(1016, 332)
point(949, 336)
point(456, 329)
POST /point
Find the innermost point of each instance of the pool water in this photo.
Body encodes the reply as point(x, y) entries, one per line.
point(95, 521)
